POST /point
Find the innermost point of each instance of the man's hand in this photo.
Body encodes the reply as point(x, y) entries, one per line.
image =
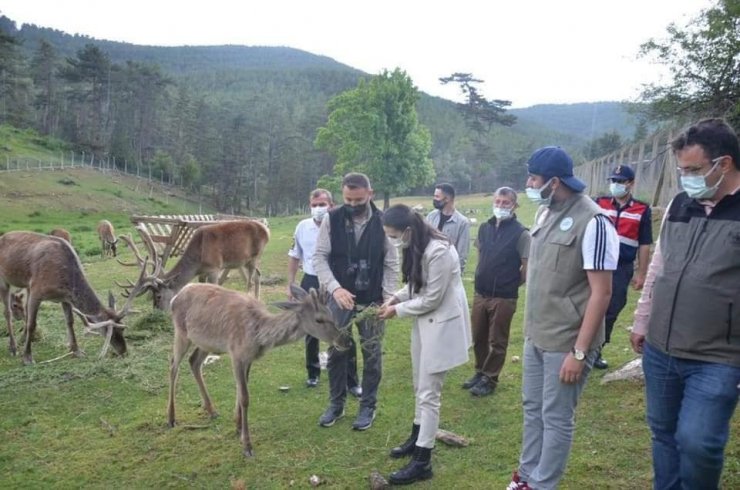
point(638, 282)
point(290, 294)
point(637, 340)
point(571, 369)
point(344, 298)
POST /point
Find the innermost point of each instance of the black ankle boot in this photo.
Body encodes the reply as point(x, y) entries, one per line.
point(407, 448)
point(419, 468)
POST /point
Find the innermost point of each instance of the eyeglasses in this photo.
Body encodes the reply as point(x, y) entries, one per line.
point(698, 168)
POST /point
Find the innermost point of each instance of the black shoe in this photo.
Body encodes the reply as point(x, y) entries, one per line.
point(407, 448)
point(355, 391)
point(419, 468)
point(364, 419)
point(330, 416)
point(484, 387)
point(312, 382)
point(472, 381)
point(600, 362)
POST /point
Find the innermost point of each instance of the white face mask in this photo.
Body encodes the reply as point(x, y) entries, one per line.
point(618, 189)
point(318, 213)
point(535, 195)
point(696, 185)
point(399, 242)
point(502, 213)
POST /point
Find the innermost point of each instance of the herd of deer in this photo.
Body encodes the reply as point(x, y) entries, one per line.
point(212, 318)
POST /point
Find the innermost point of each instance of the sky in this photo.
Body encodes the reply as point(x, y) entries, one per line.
point(526, 51)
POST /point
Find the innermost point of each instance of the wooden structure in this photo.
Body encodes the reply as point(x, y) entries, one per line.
point(172, 233)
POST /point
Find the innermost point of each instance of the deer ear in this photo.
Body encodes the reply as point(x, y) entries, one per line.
point(288, 305)
point(314, 298)
point(298, 292)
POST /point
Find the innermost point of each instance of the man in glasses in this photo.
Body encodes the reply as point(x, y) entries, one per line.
point(687, 323)
point(633, 220)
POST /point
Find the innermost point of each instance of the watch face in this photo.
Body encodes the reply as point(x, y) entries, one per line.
point(579, 355)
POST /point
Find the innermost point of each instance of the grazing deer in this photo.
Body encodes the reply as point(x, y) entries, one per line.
point(219, 320)
point(213, 248)
point(50, 270)
point(61, 233)
point(108, 239)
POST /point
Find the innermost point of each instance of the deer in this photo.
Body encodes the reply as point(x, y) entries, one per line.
point(108, 239)
point(61, 233)
point(212, 248)
point(50, 270)
point(219, 320)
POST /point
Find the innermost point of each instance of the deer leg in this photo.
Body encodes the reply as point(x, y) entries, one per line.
point(196, 365)
point(180, 348)
point(7, 301)
point(224, 276)
point(71, 339)
point(32, 310)
point(241, 374)
point(245, 276)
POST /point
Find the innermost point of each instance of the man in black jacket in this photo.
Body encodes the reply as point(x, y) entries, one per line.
point(357, 264)
point(503, 248)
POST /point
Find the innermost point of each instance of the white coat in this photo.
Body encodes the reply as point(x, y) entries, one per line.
point(441, 309)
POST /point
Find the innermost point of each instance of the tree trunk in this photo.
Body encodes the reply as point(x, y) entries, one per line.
point(386, 200)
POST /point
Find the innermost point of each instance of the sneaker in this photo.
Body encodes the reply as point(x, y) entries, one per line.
point(600, 362)
point(355, 391)
point(312, 382)
point(472, 381)
point(517, 483)
point(330, 416)
point(484, 387)
point(364, 419)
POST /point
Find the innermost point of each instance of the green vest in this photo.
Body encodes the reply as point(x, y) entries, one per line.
point(557, 285)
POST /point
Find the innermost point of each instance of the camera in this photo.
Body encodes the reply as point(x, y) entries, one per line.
point(361, 273)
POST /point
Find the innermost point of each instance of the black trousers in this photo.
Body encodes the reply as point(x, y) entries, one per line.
point(621, 279)
point(313, 367)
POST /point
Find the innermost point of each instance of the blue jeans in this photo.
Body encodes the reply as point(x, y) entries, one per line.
point(689, 407)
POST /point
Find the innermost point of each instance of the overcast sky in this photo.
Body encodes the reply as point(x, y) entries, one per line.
point(527, 51)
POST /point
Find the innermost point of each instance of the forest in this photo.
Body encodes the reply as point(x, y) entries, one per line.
point(239, 123)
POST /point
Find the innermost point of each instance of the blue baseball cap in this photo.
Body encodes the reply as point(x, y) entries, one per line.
point(552, 161)
point(622, 172)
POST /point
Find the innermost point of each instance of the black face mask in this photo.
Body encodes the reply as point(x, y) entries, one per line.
point(356, 210)
point(438, 204)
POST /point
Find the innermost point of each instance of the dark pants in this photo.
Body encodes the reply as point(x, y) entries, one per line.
point(371, 336)
point(313, 366)
point(620, 283)
point(491, 322)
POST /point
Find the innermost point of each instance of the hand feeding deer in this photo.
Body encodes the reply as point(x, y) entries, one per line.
point(51, 271)
point(212, 248)
point(219, 320)
point(108, 240)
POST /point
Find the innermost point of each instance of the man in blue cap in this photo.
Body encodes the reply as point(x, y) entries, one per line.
point(574, 249)
point(633, 220)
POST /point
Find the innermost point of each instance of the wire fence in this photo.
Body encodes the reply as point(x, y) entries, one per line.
point(656, 177)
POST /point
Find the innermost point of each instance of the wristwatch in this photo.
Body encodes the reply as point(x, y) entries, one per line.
point(578, 354)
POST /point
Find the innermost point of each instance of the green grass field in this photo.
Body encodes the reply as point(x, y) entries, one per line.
point(102, 423)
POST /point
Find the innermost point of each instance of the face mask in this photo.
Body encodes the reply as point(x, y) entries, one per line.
point(535, 195)
point(318, 213)
point(617, 189)
point(438, 204)
point(356, 210)
point(502, 213)
point(399, 242)
point(696, 185)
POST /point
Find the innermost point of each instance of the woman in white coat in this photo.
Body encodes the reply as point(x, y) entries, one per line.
point(440, 338)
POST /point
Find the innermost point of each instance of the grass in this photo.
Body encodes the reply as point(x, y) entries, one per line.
point(102, 423)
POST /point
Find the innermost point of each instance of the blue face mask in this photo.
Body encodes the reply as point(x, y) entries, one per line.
point(696, 185)
point(535, 195)
point(618, 189)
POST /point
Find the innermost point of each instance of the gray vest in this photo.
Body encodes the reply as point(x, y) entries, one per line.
point(695, 311)
point(557, 284)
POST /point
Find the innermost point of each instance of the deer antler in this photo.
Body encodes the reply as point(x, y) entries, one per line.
point(95, 328)
point(149, 243)
point(130, 243)
point(137, 289)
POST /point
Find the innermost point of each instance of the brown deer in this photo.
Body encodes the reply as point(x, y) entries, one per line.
point(108, 240)
point(213, 248)
point(219, 320)
point(50, 270)
point(61, 233)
